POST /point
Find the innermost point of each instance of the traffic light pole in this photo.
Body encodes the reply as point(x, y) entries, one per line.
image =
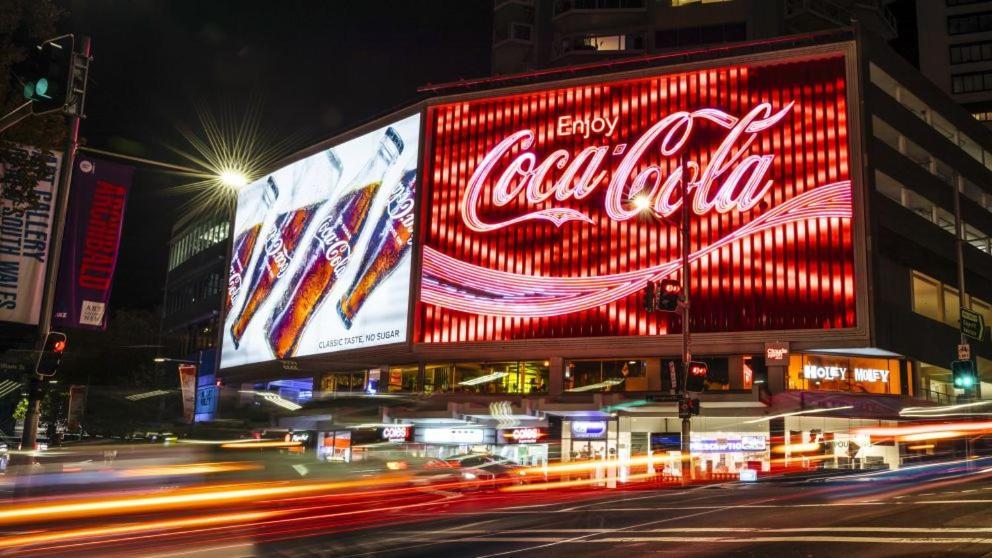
point(963, 298)
point(686, 353)
point(29, 436)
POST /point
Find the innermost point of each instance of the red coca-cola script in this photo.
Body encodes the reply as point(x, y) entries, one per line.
point(549, 211)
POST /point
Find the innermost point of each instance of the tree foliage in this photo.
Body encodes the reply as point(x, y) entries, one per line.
point(24, 24)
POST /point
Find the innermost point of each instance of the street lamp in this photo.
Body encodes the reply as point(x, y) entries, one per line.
point(233, 179)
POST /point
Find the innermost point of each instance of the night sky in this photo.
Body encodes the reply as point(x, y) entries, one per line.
point(319, 68)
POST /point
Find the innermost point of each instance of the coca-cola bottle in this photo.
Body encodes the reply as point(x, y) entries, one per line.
point(281, 241)
point(330, 249)
point(391, 240)
point(244, 242)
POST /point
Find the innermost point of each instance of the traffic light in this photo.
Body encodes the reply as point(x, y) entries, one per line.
point(688, 407)
point(695, 377)
point(47, 75)
point(51, 355)
point(668, 296)
point(963, 372)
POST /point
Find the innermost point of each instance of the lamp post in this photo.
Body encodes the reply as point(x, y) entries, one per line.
point(682, 228)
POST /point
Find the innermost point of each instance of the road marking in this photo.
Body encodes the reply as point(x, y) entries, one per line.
point(722, 540)
point(868, 529)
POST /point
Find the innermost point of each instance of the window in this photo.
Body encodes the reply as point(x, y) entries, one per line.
point(839, 373)
point(487, 377)
point(941, 302)
point(972, 82)
point(926, 296)
point(605, 375)
point(563, 6)
point(969, 23)
point(196, 240)
point(691, 36)
point(404, 378)
point(971, 52)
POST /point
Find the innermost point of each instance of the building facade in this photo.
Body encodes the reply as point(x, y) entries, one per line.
point(532, 34)
point(491, 294)
point(958, 57)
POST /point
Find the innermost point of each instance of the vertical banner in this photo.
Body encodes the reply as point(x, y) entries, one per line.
point(92, 238)
point(77, 406)
point(24, 238)
point(187, 381)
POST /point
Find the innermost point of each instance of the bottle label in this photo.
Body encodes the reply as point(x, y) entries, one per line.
point(278, 256)
point(400, 209)
point(335, 240)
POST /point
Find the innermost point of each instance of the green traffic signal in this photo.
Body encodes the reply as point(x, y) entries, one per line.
point(963, 374)
point(41, 88)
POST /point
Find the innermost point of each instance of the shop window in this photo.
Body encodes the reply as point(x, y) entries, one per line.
point(605, 375)
point(343, 382)
point(404, 378)
point(838, 373)
point(487, 377)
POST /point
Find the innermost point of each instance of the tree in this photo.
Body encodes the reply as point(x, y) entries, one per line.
point(24, 24)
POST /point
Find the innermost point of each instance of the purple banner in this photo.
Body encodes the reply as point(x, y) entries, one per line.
point(92, 237)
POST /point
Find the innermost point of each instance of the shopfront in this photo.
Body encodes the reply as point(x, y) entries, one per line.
point(524, 445)
point(443, 442)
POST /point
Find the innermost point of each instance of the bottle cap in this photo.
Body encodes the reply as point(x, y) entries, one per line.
point(392, 143)
point(270, 193)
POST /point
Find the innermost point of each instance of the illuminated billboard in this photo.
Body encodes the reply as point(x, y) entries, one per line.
point(321, 253)
point(548, 211)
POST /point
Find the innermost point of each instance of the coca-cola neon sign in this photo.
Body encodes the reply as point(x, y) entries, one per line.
point(551, 210)
point(742, 178)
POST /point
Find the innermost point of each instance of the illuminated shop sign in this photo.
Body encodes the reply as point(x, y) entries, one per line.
point(523, 435)
point(453, 436)
point(815, 372)
point(396, 433)
point(589, 429)
point(776, 352)
point(703, 443)
point(548, 210)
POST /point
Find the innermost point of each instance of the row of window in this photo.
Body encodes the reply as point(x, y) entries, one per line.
point(969, 23)
point(700, 35)
point(188, 294)
point(630, 41)
point(930, 211)
point(914, 104)
point(971, 52)
point(941, 302)
point(562, 6)
point(196, 240)
point(971, 82)
point(891, 137)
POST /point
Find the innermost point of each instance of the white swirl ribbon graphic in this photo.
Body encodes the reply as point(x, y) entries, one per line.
point(456, 285)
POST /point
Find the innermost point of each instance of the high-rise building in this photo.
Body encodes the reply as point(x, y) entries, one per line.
point(195, 286)
point(529, 34)
point(958, 57)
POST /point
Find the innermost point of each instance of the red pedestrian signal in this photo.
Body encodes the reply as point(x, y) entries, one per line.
point(695, 377)
point(670, 291)
point(51, 354)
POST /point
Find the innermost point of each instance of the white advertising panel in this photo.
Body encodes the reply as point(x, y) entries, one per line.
point(24, 241)
point(322, 249)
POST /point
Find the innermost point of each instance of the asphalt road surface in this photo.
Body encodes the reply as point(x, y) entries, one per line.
point(866, 516)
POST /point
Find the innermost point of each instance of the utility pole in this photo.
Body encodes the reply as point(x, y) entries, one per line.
point(74, 115)
point(963, 298)
point(686, 353)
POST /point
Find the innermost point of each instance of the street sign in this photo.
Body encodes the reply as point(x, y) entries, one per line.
point(972, 324)
point(964, 352)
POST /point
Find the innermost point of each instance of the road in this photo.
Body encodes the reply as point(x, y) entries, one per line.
point(942, 509)
point(864, 517)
